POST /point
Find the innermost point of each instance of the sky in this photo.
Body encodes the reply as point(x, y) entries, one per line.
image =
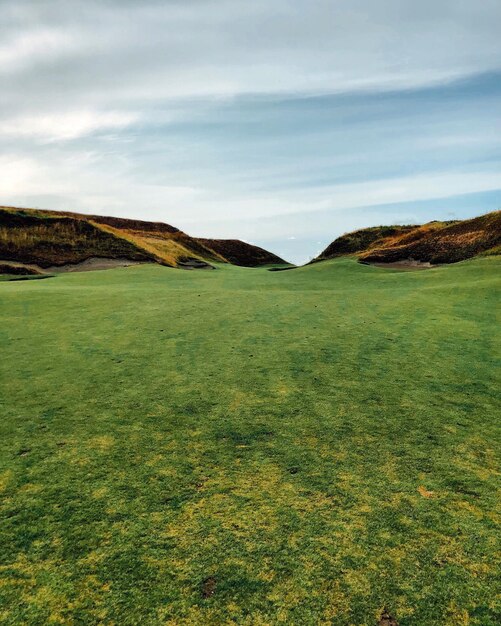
point(284, 123)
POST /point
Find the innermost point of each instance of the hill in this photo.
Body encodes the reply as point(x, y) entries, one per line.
point(50, 239)
point(359, 240)
point(46, 240)
point(434, 243)
point(242, 253)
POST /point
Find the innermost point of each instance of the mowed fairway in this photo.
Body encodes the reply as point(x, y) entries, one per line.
point(250, 447)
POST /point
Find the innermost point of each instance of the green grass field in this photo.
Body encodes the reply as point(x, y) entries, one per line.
point(251, 447)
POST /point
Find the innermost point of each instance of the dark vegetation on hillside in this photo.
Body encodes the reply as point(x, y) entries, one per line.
point(55, 241)
point(241, 253)
point(49, 238)
point(435, 242)
point(169, 245)
point(360, 240)
point(443, 243)
point(198, 248)
point(116, 222)
point(127, 224)
point(46, 238)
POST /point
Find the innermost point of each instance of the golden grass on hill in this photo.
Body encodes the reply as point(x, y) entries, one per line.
point(46, 241)
point(415, 234)
point(55, 238)
point(435, 242)
point(168, 247)
point(442, 242)
point(363, 239)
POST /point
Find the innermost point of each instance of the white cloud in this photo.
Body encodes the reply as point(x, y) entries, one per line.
point(100, 183)
point(66, 125)
point(341, 198)
point(32, 46)
point(151, 52)
point(87, 182)
point(16, 172)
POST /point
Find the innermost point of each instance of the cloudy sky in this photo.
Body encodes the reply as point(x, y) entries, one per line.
point(284, 122)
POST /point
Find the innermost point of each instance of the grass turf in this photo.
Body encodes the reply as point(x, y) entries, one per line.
point(250, 447)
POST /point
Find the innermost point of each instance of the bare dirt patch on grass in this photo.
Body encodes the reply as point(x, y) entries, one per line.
point(386, 619)
point(93, 263)
point(208, 587)
point(405, 265)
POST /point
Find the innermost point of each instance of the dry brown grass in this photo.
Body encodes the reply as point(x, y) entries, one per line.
point(29, 237)
point(442, 242)
point(435, 242)
point(241, 253)
point(56, 238)
point(168, 248)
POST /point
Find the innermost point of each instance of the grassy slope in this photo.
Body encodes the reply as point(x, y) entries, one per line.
point(313, 444)
point(443, 242)
point(45, 240)
point(168, 248)
point(56, 238)
point(363, 239)
point(435, 242)
point(242, 253)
